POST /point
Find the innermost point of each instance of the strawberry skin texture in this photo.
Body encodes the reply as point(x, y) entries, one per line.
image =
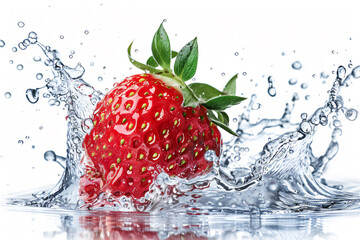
point(141, 129)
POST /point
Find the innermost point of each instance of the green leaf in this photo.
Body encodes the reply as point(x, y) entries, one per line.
point(190, 100)
point(151, 61)
point(204, 91)
point(222, 102)
point(220, 124)
point(230, 87)
point(186, 61)
point(174, 54)
point(141, 65)
point(223, 117)
point(161, 48)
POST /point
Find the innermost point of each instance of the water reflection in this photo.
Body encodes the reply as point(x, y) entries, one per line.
point(119, 225)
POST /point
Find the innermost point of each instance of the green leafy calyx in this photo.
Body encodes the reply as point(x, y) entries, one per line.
point(185, 65)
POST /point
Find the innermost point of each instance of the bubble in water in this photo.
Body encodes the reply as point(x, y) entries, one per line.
point(37, 58)
point(8, 95)
point(244, 73)
point(21, 24)
point(71, 56)
point(21, 142)
point(307, 97)
point(11, 61)
point(32, 95)
point(39, 76)
point(86, 32)
point(14, 49)
point(72, 52)
point(46, 95)
point(296, 65)
point(92, 64)
point(351, 114)
point(41, 128)
point(61, 36)
point(2, 43)
point(222, 74)
point(293, 81)
point(236, 54)
point(50, 156)
point(20, 67)
point(283, 54)
point(304, 86)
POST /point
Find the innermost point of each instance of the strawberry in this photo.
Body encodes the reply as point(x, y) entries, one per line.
point(153, 122)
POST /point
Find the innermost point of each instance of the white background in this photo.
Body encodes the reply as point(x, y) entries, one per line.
point(320, 34)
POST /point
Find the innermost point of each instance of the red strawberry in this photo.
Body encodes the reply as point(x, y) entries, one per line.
point(153, 123)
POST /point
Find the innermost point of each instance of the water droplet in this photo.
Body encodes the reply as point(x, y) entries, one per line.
point(70, 56)
point(136, 50)
point(11, 61)
point(22, 46)
point(72, 52)
point(304, 116)
point(86, 32)
point(271, 88)
point(307, 97)
point(26, 42)
point(350, 65)
point(91, 64)
point(314, 75)
point(304, 86)
point(351, 114)
point(32, 95)
point(222, 74)
point(50, 156)
point(236, 54)
point(32, 35)
point(337, 123)
point(244, 73)
point(324, 75)
point(41, 128)
point(165, 20)
point(39, 76)
point(296, 65)
point(20, 67)
point(54, 102)
point(8, 95)
point(293, 81)
point(21, 142)
point(100, 79)
point(14, 49)
point(37, 58)
point(2, 43)
point(235, 120)
point(272, 91)
point(21, 24)
point(61, 37)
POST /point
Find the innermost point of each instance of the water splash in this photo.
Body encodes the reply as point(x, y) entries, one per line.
point(283, 176)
